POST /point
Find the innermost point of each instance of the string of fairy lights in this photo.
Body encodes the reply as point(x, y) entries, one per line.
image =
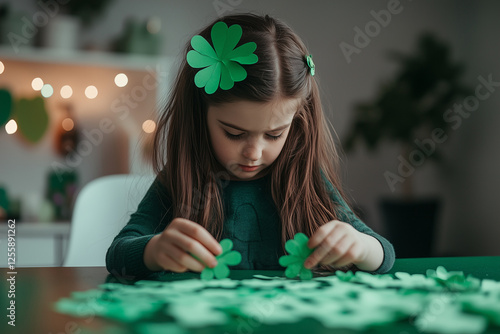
point(91, 92)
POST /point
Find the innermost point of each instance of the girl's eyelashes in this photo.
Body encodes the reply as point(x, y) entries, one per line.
point(275, 137)
point(236, 137)
point(231, 136)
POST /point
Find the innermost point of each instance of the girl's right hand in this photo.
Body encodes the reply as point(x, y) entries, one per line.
point(172, 249)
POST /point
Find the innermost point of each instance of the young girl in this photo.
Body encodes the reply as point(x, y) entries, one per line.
point(243, 151)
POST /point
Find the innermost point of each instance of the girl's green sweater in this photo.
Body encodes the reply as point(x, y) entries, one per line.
point(251, 222)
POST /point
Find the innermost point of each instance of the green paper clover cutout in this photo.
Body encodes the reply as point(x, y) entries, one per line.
point(454, 280)
point(227, 257)
point(299, 251)
point(221, 64)
point(345, 276)
point(311, 65)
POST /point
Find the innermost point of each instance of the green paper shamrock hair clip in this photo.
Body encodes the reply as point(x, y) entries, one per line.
point(310, 63)
point(227, 257)
point(299, 251)
point(221, 64)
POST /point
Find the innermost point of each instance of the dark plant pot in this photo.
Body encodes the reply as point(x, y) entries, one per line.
point(410, 225)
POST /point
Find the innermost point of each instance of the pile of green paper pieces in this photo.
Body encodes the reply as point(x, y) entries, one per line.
point(438, 302)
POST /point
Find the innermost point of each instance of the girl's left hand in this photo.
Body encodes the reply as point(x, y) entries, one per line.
point(337, 244)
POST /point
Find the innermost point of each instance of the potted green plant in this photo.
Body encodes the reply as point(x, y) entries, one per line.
point(68, 18)
point(410, 110)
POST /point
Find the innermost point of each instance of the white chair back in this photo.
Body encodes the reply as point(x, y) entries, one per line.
point(102, 209)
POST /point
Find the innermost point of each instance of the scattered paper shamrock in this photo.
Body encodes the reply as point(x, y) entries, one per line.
point(299, 251)
point(345, 276)
point(227, 257)
point(348, 301)
point(454, 280)
point(221, 64)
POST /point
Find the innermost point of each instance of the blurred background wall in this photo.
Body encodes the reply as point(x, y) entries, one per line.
point(467, 180)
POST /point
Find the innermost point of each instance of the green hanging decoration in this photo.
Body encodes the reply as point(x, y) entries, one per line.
point(221, 64)
point(32, 118)
point(5, 106)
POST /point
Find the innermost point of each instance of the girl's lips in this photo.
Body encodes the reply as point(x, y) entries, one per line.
point(247, 168)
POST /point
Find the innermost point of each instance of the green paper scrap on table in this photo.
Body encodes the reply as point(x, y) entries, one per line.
point(299, 251)
point(221, 64)
point(438, 302)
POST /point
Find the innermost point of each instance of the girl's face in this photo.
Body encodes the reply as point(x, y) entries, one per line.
point(246, 133)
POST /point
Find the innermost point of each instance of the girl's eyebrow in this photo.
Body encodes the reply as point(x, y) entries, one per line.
point(240, 129)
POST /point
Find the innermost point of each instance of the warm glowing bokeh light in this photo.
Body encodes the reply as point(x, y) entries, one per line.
point(11, 127)
point(154, 25)
point(2, 67)
point(66, 92)
point(68, 124)
point(37, 84)
point(47, 91)
point(121, 80)
point(149, 126)
point(91, 92)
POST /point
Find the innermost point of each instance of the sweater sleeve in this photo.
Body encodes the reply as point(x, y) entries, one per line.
point(125, 255)
point(347, 216)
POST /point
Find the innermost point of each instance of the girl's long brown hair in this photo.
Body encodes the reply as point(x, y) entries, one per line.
point(183, 156)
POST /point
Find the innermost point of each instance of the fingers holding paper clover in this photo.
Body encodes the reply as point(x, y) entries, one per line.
point(183, 245)
point(336, 244)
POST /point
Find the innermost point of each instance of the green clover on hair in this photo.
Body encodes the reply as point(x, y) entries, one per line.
point(299, 251)
point(227, 257)
point(221, 64)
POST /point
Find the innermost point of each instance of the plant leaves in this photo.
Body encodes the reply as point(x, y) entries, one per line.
point(5, 106)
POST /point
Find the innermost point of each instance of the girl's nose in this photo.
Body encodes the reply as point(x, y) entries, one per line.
point(252, 152)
